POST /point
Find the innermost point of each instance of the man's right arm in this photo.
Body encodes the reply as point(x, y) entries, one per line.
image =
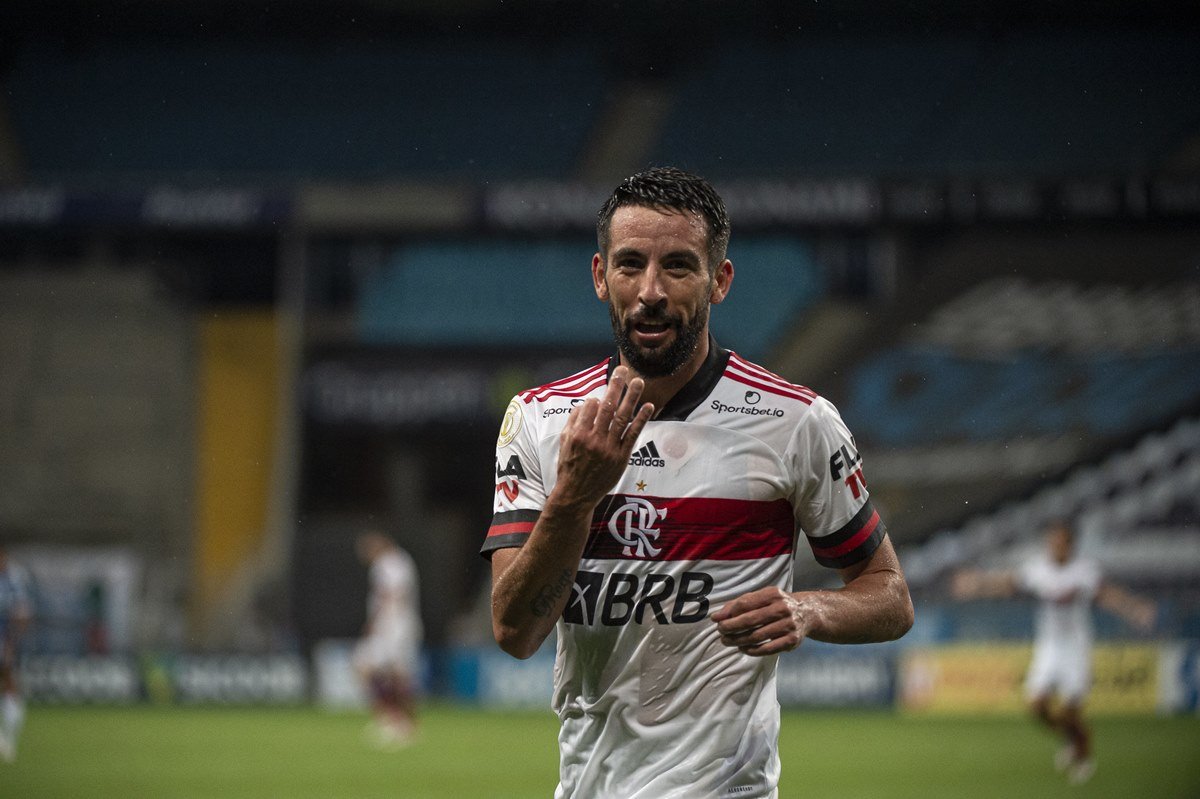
point(531, 585)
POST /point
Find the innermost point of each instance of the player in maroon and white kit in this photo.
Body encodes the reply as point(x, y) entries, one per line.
point(386, 657)
point(1066, 586)
point(649, 508)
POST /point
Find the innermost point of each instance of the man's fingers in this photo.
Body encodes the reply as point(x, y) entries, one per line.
point(775, 646)
point(626, 412)
point(612, 398)
point(583, 415)
point(639, 422)
point(752, 619)
point(753, 637)
point(746, 602)
point(770, 639)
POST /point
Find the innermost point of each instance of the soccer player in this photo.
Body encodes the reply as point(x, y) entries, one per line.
point(1066, 585)
point(387, 655)
point(16, 611)
point(648, 508)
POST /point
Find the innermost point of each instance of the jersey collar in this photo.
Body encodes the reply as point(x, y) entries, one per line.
point(688, 398)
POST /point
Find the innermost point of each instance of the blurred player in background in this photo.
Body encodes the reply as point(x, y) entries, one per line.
point(1066, 586)
point(16, 611)
point(387, 656)
point(648, 508)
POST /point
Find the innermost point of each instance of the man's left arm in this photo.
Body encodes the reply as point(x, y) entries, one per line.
point(1135, 610)
point(873, 605)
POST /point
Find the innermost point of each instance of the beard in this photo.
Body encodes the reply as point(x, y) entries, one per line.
point(660, 361)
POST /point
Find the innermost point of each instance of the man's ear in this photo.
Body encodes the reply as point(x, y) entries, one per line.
point(722, 280)
point(598, 281)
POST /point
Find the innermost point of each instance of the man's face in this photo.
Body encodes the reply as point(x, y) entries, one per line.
point(656, 280)
point(1061, 543)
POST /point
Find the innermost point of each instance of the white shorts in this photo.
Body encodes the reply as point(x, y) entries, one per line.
point(388, 650)
point(1058, 671)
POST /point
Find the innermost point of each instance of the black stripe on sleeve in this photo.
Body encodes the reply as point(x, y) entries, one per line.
point(844, 532)
point(509, 529)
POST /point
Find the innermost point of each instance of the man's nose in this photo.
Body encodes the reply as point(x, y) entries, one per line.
point(651, 292)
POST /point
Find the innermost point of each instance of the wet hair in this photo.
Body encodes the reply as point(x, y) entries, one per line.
point(669, 189)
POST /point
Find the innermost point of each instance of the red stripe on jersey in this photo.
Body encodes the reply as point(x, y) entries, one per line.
point(508, 529)
point(850, 543)
point(807, 400)
point(750, 366)
point(565, 384)
point(584, 375)
point(576, 392)
point(755, 371)
point(635, 527)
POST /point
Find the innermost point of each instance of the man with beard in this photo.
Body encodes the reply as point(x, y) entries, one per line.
point(648, 509)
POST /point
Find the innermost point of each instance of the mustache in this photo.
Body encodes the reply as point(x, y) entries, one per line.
point(652, 315)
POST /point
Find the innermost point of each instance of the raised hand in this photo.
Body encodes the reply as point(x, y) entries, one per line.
point(595, 445)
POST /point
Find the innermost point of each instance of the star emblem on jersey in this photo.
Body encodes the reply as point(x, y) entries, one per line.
point(633, 524)
point(647, 456)
point(641, 485)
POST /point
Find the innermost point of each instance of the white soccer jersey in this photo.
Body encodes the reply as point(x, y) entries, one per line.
point(395, 633)
point(1062, 645)
point(718, 488)
point(1065, 592)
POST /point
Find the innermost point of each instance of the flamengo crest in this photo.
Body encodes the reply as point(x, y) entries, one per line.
point(633, 524)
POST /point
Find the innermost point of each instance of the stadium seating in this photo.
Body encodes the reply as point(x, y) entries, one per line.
point(1005, 315)
point(420, 296)
point(96, 401)
point(1136, 511)
point(472, 109)
point(1036, 103)
point(282, 111)
point(1014, 357)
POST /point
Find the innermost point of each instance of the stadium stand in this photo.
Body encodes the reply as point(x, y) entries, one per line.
point(1015, 357)
point(1137, 511)
point(95, 411)
point(94, 406)
point(468, 108)
point(894, 104)
point(1008, 314)
point(282, 111)
point(516, 286)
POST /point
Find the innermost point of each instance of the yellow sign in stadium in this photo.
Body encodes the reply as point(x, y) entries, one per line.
point(989, 678)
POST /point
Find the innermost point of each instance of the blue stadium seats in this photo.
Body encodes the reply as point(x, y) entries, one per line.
point(834, 104)
point(473, 109)
point(467, 110)
point(506, 291)
point(1037, 103)
point(910, 396)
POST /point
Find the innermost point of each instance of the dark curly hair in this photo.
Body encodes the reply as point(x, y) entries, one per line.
point(668, 188)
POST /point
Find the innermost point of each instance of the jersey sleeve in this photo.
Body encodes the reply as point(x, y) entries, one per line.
point(832, 504)
point(520, 489)
point(1025, 576)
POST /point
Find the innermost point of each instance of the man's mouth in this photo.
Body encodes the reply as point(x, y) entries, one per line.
point(649, 333)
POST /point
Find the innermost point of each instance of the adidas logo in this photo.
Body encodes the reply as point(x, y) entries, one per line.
point(647, 456)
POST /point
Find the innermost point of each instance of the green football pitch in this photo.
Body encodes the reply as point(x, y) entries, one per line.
point(147, 752)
